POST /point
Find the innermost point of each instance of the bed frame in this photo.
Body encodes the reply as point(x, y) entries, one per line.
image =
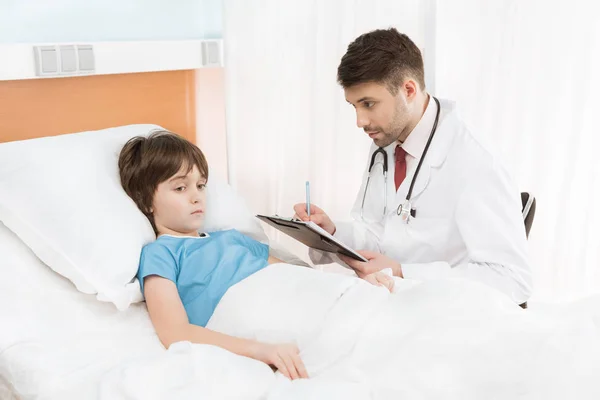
point(36, 108)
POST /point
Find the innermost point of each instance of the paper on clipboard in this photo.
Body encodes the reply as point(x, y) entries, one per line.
point(311, 234)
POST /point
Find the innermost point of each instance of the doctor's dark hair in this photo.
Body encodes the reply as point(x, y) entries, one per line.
point(146, 162)
point(382, 56)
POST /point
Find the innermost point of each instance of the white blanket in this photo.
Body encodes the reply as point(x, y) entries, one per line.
point(448, 339)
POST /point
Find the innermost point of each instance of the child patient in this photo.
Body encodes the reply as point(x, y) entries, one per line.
point(184, 274)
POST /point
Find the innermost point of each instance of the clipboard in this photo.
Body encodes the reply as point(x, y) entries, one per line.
point(310, 234)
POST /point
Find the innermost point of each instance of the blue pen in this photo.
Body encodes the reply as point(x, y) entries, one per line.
point(308, 198)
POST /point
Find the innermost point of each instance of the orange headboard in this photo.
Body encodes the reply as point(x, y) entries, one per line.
point(47, 107)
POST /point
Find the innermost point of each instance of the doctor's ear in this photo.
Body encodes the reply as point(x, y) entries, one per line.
point(410, 88)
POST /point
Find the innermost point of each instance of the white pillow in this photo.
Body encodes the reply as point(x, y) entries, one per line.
point(63, 197)
point(225, 209)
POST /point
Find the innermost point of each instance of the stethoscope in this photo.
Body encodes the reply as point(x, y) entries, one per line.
point(404, 210)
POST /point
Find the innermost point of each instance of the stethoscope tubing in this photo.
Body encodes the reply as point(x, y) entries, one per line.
point(381, 151)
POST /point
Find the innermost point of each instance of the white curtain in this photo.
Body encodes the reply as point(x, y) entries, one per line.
point(287, 121)
point(525, 74)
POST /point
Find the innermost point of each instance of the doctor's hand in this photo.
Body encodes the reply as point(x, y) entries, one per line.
point(380, 279)
point(376, 263)
point(317, 216)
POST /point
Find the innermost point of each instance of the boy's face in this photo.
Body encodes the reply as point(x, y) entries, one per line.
point(179, 203)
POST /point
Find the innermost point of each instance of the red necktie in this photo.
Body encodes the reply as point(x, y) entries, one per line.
point(400, 171)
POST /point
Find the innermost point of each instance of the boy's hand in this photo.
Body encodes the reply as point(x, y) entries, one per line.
point(284, 357)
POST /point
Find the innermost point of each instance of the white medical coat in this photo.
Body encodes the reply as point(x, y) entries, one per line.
point(468, 220)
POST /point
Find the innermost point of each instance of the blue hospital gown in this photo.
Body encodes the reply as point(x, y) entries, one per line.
point(203, 268)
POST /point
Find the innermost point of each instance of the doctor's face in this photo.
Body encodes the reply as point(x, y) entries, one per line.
point(383, 116)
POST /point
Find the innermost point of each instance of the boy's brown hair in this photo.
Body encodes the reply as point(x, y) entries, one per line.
point(383, 56)
point(145, 162)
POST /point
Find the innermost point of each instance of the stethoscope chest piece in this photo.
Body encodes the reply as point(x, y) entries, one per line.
point(404, 211)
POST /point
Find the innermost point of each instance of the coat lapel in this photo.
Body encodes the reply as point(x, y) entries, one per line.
point(435, 157)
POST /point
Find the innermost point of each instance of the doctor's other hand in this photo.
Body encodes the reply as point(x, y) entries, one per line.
point(376, 262)
point(283, 357)
point(317, 216)
point(380, 279)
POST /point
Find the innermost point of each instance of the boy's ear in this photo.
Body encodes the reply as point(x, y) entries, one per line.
point(146, 210)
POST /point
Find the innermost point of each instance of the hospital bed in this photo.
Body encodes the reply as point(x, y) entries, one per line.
point(59, 342)
point(55, 341)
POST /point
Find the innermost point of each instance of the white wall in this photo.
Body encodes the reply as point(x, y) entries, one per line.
point(23, 21)
point(212, 18)
point(210, 119)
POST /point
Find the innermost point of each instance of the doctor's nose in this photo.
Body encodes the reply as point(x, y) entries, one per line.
point(361, 120)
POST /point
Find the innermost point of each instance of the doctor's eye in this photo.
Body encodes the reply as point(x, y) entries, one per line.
point(369, 104)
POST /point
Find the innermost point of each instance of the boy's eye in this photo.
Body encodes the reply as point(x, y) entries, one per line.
point(180, 188)
point(202, 186)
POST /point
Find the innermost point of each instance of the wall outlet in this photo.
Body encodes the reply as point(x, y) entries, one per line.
point(211, 53)
point(64, 60)
point(46, 60)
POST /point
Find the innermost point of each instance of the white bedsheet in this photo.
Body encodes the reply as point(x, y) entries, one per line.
point(445, 339)
point(453, 339)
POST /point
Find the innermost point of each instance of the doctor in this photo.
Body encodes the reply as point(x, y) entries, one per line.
point(434, 202)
